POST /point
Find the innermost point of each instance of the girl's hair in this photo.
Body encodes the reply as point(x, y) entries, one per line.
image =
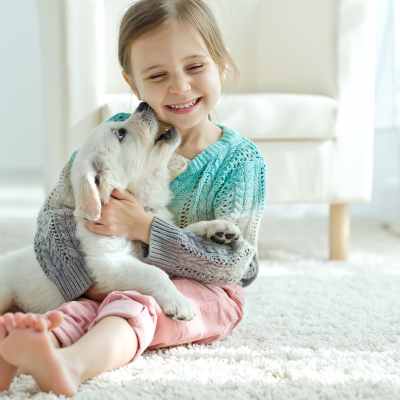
point(146, 15)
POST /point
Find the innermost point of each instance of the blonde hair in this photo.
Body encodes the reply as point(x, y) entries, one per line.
point(146, 15)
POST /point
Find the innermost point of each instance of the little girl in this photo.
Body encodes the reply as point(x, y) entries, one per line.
point(173, 57)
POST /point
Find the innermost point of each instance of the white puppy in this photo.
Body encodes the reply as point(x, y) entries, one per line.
point(131, 155)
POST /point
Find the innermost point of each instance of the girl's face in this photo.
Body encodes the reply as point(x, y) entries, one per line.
point(172, 68)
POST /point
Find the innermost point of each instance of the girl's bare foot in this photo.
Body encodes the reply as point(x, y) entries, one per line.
point(9, 322)
point(7, 371)
point(29, 346)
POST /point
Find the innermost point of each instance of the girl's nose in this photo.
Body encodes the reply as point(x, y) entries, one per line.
point(180, 84)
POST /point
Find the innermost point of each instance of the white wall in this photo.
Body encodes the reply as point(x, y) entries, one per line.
point(22, 139)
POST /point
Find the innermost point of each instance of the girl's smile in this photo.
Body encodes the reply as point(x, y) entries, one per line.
point(184, 108)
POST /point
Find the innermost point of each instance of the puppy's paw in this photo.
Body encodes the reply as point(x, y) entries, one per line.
point(223, 232)
point(179, 308)
point(218, 230)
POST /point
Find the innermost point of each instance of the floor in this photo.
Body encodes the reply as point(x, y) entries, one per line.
point(313, 329)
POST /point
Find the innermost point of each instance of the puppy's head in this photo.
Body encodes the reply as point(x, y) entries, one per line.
point(120, 154)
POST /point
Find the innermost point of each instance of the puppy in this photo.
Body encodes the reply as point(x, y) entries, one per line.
point(133, 155)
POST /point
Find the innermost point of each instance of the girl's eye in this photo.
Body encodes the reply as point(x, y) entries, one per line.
point(156, 76)
point(192, 68)
point(196, 67)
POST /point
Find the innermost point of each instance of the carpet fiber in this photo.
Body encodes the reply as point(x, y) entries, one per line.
point(313, 329)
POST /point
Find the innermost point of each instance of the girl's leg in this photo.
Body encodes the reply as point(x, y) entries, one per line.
point(110, 344)
point(219, 309)
point(94, 339)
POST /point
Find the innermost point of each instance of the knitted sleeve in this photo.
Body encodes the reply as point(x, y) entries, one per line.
point(56, 246)
point(182, 253)
point(242, 200)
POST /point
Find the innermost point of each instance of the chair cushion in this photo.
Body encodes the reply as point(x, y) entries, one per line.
point(260, 116)
point(277, 116)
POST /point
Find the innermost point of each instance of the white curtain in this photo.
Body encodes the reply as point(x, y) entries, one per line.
point(386, 195)
point(388, 68)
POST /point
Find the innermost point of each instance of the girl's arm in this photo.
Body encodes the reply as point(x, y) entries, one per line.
point(56, 247)
point(182, 253)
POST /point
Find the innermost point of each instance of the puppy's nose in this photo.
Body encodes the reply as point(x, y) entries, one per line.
point(143, 106)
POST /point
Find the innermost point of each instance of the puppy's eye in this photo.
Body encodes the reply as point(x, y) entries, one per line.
point(165, 136)
point(120, 134)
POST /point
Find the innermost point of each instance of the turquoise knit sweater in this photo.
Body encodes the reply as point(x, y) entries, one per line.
point(224, 181)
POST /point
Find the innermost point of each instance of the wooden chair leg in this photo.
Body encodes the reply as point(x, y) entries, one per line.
point(339, 232)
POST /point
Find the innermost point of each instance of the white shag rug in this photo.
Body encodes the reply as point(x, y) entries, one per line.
point(313, 329)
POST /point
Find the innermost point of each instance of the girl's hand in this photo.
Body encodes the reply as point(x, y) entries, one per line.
point(123, 216)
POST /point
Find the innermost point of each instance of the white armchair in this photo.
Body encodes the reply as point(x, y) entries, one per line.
point(306, 93)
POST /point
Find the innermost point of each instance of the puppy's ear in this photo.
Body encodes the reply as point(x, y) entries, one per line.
point(88, 204)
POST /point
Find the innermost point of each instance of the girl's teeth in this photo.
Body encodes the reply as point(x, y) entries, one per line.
point(188, 105)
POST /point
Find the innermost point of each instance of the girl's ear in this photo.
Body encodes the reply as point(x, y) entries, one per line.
point(224, 72)
point(131, 83)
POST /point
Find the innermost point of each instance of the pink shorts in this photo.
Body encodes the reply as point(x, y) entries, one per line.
point(218, 310)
